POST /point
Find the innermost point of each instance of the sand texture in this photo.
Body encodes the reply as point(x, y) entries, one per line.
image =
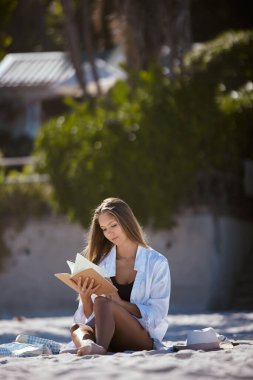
point(235, 363)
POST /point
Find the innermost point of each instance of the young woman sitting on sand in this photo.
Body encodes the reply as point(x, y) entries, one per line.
point(135, 317)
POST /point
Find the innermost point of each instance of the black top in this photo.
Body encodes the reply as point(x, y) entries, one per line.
point(123, 290)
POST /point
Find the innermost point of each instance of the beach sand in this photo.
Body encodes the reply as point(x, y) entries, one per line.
point(235, 363)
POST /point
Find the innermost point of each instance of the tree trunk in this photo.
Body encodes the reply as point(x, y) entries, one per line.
point(86, 6)
point(74, 43)
point(179, 36)
point(143, 28)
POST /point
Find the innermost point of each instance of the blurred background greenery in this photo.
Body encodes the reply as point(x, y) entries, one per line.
point(176, 133)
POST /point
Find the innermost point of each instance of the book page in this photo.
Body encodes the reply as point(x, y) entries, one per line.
point(82, 263)
point(71, 266)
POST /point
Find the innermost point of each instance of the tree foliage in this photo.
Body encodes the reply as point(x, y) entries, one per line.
point(7, 7)
point(147, 142)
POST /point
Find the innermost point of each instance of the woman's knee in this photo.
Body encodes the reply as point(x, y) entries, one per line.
point(74, 327)
point(101, 303)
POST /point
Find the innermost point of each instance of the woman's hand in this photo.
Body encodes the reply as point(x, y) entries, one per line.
point(86, 287)
point(130, 307)
point(115, 297)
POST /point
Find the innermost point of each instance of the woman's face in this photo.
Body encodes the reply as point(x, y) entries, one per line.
point(111, 228)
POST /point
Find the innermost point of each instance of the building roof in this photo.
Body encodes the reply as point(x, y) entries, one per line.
point(54, 70)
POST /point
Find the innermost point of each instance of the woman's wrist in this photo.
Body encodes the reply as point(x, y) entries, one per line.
point(87, 306)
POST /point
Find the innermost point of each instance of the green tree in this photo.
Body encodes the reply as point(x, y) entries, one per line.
point(7, 7)
point(148, 142)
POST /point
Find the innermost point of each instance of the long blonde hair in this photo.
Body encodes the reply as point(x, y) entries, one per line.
point(98, 246)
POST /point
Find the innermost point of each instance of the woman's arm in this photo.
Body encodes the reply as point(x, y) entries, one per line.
point(130, 307)
point(85, 289)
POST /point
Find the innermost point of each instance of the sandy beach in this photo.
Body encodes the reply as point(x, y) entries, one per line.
point(235, 363)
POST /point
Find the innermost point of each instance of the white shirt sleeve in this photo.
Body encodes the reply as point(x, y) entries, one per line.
point(80, 317)
point(157, 306)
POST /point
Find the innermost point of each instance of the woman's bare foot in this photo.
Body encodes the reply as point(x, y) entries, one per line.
point(90, 348)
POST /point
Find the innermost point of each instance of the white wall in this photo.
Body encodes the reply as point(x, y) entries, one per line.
point(37, 252)
point(205, 256)
point(233, 241)
point(189, 250)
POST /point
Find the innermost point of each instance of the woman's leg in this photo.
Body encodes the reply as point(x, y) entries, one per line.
point(83, 337)
point(116, 328)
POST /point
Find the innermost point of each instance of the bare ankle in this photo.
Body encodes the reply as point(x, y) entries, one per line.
point(90, 348)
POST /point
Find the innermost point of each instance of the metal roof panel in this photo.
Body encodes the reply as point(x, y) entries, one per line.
point(52, 70)
point(28, 69)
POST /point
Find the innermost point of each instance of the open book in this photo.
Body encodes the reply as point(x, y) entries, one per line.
point(82, 267)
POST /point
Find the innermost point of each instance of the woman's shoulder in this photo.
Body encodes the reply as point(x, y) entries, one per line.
point(154, 255)
point(108, 256)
